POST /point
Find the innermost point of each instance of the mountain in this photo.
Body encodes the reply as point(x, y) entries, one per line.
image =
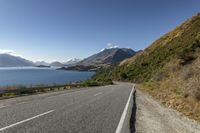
point(169, 69)
point(104, 58)
point(43, 63)
point(7, 60)
point(71, 62)
point(108, 57)
point(57, 64)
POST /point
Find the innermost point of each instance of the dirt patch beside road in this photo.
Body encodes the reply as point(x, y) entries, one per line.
point(152, 117)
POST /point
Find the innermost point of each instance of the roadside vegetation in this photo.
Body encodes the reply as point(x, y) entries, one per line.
point(13, 91)
point(95, 82)
point(169, 69)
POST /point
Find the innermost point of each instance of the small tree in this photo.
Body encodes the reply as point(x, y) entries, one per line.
point(123, 75)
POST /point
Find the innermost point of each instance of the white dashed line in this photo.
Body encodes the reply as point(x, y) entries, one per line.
point(2, 107)
point(26, 120)
point(98, 94)
point(22, 103)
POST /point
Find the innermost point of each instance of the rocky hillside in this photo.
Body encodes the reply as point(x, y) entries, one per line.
point(169, 69)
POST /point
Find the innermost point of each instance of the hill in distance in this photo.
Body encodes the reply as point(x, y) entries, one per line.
point(7, 60)
point(56, 64)
point(169, 69)
point(104, 58)
point(71, 62)
point(108, 56)
point(41, 63)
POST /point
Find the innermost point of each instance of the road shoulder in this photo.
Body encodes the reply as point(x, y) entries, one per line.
point(152, 117)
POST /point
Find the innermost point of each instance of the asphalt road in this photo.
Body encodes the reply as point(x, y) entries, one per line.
point(86, 110)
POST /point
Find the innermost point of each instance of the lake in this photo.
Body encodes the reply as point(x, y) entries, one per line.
point(34, 75)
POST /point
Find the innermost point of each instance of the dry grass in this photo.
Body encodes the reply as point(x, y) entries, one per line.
point(164, 40)
point(180, 89)
point(8, 88)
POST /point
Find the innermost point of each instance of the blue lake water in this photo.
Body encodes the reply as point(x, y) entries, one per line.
point(33, 75)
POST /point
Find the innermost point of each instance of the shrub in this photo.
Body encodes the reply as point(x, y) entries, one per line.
point(159, 76)
point(193, 87)
point(186, 72)
point(196, 93)
point(123, 75)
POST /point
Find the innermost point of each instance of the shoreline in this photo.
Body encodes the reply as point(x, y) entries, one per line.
point(14, 91)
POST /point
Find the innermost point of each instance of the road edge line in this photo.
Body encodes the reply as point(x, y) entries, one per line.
point(122, 119)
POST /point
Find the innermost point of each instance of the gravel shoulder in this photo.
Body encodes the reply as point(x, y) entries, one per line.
point(152, 117)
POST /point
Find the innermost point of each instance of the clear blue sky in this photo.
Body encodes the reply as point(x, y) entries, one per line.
point(63, 29)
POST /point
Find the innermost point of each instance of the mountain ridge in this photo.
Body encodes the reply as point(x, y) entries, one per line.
point(108, 56)
point(7, 60)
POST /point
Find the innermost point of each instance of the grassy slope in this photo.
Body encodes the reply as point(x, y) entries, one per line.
point(169, 69)
point(144, 65)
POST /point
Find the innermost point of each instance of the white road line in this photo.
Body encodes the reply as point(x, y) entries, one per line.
point(2, 107)
point(122, 119)
point(20, 122)
point(98, 94)
point(22, 103)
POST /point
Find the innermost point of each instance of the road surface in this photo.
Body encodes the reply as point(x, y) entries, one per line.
point(86, 110)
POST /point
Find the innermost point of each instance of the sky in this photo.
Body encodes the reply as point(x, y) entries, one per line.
point(59, 30)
